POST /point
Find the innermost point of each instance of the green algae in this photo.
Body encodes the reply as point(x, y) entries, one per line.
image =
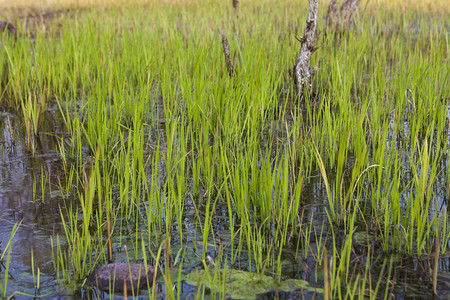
point(245, 285)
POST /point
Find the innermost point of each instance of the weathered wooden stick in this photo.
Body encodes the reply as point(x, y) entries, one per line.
point(302, 72)
point(226, 53)
point(347, 11)
point(236, 5)
point(341, 19)
point(332, 13)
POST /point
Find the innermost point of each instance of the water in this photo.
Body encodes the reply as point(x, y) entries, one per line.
point(31, 200)
point(29, 196)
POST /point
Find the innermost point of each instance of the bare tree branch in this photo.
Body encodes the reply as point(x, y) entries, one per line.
point(302, 69)
point(236, 5)
point(226, 53)
point(332, 13)
point(347, 11)
point(341, 19)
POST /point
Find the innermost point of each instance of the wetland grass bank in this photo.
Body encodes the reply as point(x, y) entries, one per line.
point(124, 139)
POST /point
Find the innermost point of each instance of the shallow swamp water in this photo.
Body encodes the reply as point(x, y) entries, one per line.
point(159, 144)
point(29, 194)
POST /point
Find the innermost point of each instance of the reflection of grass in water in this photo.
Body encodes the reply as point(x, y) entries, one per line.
point(165, 146)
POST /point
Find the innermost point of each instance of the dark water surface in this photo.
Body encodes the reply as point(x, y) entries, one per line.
point(30, 198)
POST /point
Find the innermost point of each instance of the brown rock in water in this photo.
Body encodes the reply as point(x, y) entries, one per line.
point(6, 26)
point(112, 277)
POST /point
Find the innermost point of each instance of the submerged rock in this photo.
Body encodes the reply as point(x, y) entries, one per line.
point(111, 277)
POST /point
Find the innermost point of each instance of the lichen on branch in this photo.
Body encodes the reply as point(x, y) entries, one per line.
point(302, 70)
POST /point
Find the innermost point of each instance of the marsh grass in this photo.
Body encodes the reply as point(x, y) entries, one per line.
point(6, 260)
point(162, 143)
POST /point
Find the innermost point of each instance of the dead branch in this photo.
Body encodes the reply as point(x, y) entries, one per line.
point(347, 12)
point(302, 69)
point(226, 53)
point(236, 5)
point(332, 13)
point(341, 19)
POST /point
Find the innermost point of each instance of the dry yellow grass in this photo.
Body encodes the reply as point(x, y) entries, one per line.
point(20, 8)
point(431, 6)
